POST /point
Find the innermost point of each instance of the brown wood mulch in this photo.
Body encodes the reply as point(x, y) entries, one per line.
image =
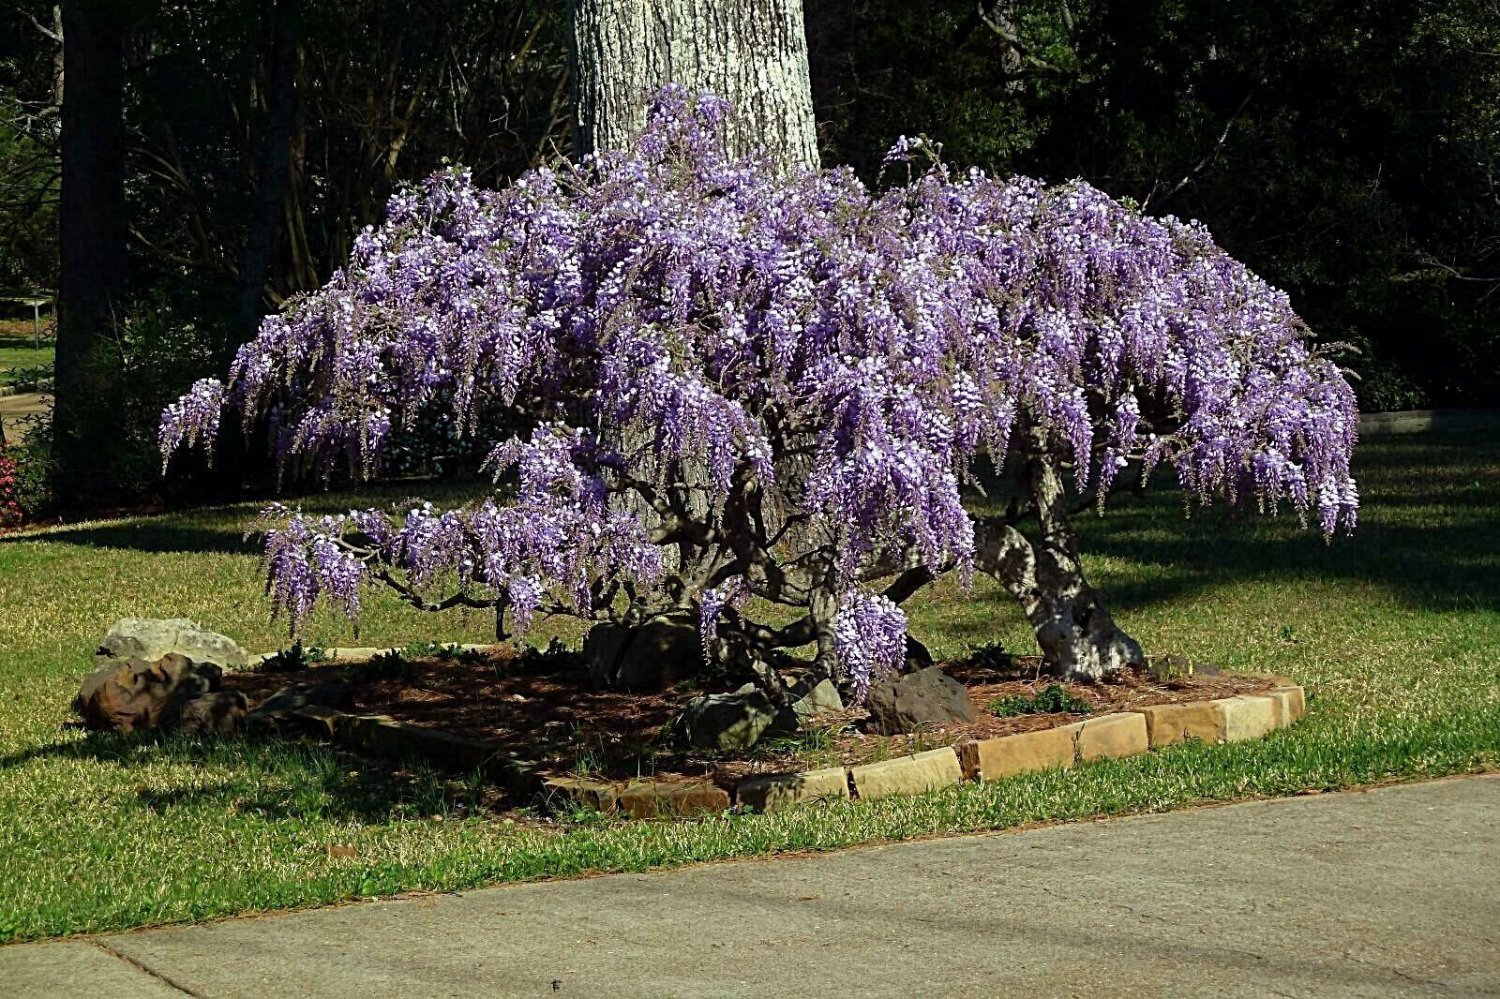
point(546, 710)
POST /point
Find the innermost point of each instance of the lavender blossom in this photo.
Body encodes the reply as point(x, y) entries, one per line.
point(667, 320)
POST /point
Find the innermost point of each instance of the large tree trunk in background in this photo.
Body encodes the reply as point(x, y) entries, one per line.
point(92, 235)
point(752, 52)
point(273, 166)
point(1078, 638)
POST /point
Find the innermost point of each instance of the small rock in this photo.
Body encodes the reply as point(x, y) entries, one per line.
point(303, 695)
point(134, 693)
point(726, 722)
point(821, 700)
point(647, 659)
point(926, 699)
point(802, 714)
point(150, 639)
point(221, 713)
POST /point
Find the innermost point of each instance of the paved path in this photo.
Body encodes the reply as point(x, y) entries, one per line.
point(14, 409)
point(1395, 891)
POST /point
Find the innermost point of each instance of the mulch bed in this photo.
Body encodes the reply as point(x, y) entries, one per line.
point(544, 709)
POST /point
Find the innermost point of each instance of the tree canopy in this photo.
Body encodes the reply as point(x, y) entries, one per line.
point(709, 379)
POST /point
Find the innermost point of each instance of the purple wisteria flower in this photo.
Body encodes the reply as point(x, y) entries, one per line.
point(718, 370)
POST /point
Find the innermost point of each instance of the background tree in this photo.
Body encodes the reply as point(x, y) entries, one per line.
point(1347, 151)
point(751, 52)
point(91, 297)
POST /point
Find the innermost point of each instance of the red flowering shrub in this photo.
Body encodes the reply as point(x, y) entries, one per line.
point(11, 514)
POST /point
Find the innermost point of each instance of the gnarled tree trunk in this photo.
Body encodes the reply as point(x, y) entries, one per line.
point(1078, 637)
point(751, 52)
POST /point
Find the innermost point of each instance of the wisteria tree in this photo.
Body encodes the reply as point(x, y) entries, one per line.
point(754, 394)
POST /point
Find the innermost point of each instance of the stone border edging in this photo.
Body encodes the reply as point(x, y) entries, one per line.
point(1118, 735)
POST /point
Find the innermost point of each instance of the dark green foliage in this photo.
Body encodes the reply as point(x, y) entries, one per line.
point(31, 453)
point(991, 655)
point(36, 378)
point(290, 660)
point(389, 665)
point(1348, 152)
point(556, 657)
point(1052, 700)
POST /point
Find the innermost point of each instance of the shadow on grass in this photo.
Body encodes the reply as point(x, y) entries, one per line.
point(152, 536)
point(1429, 534)
point(275, 779)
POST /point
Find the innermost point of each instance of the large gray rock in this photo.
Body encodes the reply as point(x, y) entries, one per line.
point(152, 638)
point(727, 722)
point(926, 699)
point(129, 694)
point(647, 659)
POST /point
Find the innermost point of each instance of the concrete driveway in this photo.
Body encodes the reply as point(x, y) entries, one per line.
point(1386, 892)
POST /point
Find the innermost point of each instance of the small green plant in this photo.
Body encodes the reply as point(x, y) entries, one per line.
point(1164, 668)
point(33, 379)
point(1052, 700)
point(427, 650)
point(991, 655)
point(288, 660)
point(388, 665)
point(554, 657)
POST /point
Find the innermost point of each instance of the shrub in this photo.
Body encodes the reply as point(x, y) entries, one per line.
point(11, 514)
point(29, 464)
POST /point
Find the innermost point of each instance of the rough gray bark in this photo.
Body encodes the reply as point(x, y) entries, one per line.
point(752, 52)
point(1078, 637)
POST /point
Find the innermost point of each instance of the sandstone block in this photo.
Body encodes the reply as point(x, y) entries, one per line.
point(1112, 737)
point(768, 794)
point(907, 774)
point(601, 796)
point(1293, 702)
point(993, 759)
point(648, 798)
point(1249, 716)
point(1169, 724)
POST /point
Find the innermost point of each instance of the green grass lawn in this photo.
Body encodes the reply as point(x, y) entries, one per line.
point(1395, 632)
point(18, 348)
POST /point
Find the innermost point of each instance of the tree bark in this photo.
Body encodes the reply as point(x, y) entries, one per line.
point(273, 162)
point(92, 233)
point(1078, 637)
point(751, 52)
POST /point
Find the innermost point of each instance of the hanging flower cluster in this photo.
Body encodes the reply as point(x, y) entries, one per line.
point(670, 313)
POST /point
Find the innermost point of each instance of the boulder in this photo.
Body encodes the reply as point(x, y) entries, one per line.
point(647, 659)
point(221, 713)
point(726, 722)
point(128, 694)
point(926, 699)
point(150, 639)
